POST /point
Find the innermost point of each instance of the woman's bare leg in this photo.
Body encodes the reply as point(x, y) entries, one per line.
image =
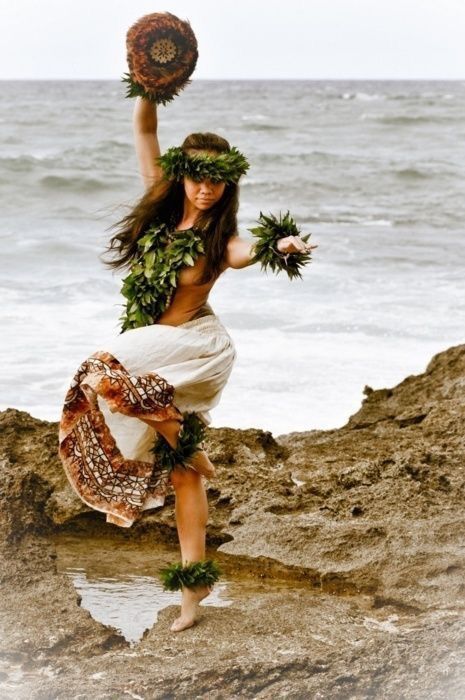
point(191, 509)
point(170, 431)
point(168, 428)
point(191, 522)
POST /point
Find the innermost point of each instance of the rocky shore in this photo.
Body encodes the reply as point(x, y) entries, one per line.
point(363, 528)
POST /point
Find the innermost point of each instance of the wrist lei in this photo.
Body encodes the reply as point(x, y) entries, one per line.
point(224, 167)
point(268, 233)
point(152, 280)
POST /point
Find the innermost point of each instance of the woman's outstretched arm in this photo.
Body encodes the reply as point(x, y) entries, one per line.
point(145, 123)
point(240, 252)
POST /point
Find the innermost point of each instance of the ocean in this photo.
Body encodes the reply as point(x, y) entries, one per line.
point(374, 170)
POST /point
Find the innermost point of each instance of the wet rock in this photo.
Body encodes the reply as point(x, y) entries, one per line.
point(368, 518)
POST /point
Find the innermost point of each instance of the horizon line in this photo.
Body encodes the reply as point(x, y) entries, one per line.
point(300, 80)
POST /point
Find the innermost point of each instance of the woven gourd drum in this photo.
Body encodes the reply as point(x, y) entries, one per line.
point(162, 55)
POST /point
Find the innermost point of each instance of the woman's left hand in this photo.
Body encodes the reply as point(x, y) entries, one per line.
point(294, 244)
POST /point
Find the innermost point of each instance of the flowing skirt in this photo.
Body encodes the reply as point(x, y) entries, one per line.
point(156, 372)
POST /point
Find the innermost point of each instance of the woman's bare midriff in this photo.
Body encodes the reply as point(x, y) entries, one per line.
point(190, 299)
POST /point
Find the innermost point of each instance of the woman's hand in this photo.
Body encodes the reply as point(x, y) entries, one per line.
point(294, 244)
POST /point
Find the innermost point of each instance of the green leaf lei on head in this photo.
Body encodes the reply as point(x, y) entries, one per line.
point(224, 167)
point(152, 280)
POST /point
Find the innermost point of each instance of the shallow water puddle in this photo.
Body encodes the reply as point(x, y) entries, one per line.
point(118, 581)
point(130, 603)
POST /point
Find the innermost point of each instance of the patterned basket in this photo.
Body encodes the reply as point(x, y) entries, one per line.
point(162, 55)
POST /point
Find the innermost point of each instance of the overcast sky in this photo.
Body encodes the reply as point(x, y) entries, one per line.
point(385, 39)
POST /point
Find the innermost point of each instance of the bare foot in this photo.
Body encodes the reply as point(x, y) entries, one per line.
point(191, 598)
point(201, 463)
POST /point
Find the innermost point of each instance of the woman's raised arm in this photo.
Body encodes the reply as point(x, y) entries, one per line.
point(145, 123)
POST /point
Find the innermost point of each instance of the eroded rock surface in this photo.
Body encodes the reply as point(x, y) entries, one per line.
point(365, 524)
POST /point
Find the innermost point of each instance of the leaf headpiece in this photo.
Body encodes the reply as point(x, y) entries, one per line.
point(224, 167)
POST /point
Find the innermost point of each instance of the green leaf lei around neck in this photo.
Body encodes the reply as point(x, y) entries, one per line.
point(152, 280)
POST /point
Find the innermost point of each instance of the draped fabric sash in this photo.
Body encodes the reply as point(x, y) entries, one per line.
point(156, 373)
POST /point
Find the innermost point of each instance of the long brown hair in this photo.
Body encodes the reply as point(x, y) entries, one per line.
point(164, 203)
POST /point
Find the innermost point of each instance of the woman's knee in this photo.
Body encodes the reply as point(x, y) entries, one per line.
point(169, 429)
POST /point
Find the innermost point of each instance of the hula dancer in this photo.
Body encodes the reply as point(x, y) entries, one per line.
point(134, 418)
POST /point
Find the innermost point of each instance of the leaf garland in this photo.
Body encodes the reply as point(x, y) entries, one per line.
point(200, 573)
point(152, 280)
point(224, 167)
point(268, 234)
point(135, 89)
point(191, 435)
point(162, 253)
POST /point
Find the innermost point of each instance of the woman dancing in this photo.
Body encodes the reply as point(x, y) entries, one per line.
point(134, 417)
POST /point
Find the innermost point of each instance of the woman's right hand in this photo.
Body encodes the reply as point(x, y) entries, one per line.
point(294, 244)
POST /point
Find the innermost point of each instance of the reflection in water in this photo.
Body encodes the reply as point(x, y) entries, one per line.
point(118, 581)
point(131, 602)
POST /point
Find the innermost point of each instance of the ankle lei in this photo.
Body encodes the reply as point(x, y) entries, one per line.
point(152, 280)
point(177, 576)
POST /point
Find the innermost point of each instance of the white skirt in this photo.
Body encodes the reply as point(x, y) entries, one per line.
point(156, 372)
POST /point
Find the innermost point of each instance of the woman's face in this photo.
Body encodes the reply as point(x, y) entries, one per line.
point(203, 194)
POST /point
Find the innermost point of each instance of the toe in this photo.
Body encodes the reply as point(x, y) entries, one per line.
point(179, 625)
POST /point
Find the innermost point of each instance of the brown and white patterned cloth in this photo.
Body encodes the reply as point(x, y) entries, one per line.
point(157, 372)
